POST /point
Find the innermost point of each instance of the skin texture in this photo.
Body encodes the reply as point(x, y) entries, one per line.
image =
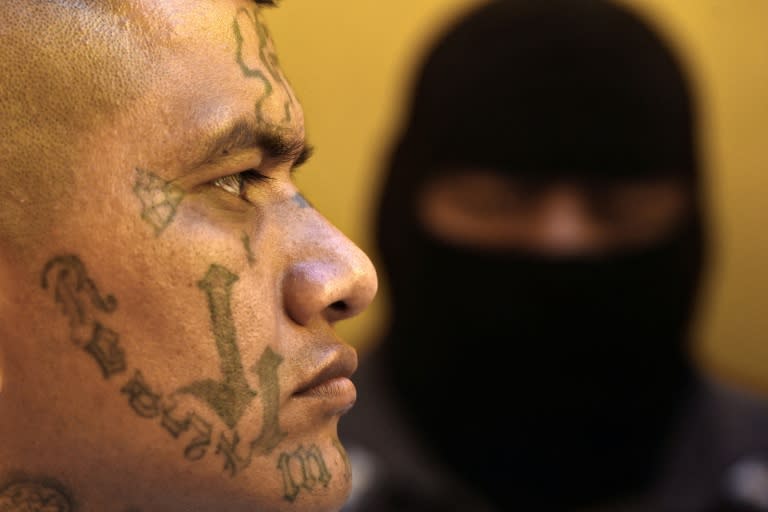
point(168, 296)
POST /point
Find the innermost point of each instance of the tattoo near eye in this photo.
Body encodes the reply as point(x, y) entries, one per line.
point(236, 183)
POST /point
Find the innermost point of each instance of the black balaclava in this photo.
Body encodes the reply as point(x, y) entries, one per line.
point(543, 381)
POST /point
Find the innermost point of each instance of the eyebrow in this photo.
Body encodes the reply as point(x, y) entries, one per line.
point(244, 134)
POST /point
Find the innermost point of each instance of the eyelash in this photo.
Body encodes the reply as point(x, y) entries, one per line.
point(234, 183)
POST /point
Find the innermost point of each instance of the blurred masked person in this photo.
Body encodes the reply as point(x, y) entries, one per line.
point(542, 228)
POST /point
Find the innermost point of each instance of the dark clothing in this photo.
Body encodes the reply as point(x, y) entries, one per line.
point(543, 92)
point(540, 380)
point(718, 460)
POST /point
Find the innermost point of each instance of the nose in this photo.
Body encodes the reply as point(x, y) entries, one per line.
point(564, 223)
point(333, 280)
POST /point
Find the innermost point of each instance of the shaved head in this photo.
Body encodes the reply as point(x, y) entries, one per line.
point(66, 66)
point(168, 297)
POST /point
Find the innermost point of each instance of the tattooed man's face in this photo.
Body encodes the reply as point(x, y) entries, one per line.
point(168, 297)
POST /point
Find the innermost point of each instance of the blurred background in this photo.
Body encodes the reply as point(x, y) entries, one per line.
point(351, 64)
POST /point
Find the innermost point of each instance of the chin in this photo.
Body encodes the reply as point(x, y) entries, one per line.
point(307, 474)
point(315, 475)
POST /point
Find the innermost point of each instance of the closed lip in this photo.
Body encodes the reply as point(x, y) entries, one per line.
point(333, 377)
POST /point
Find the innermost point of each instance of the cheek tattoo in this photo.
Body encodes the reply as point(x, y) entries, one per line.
point(248, 251)
point(82, 303)
point(159, 199)
point(227, 398)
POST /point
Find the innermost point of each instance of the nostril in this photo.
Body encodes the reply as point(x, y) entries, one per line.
point(340, 306)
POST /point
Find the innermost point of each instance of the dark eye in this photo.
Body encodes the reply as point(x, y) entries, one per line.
point(236, 183)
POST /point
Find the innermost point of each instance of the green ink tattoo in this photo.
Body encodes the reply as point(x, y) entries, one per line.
point(233, 462)
point(271, 435)
point(268, 56)
point(268, 59)
point(81, 301)
point(105, 348)
point(159, 199)
point(301, 201)
point(248, 251)
point(74, 289)
point(344, 457)
point(147, 403)
point(29, 496)
point(303, 469)
point(249, 71)
point(198, 445)
point(142, 399)
point(229, 397)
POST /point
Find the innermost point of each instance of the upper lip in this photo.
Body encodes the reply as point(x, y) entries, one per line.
point(341, 363)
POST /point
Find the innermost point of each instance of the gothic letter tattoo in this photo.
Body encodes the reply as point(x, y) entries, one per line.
point(80, 301)
point(233, 461)
point(76, 293)
point(105, 349)
point(229, 397)
point(271, 435)
point(198, 445)
point(143, 400)
point(303, 469)
point(34, 497)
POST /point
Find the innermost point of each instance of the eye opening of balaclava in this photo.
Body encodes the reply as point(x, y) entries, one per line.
point(587, 356)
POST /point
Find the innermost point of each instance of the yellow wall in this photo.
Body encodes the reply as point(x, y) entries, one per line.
point(350, 61)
